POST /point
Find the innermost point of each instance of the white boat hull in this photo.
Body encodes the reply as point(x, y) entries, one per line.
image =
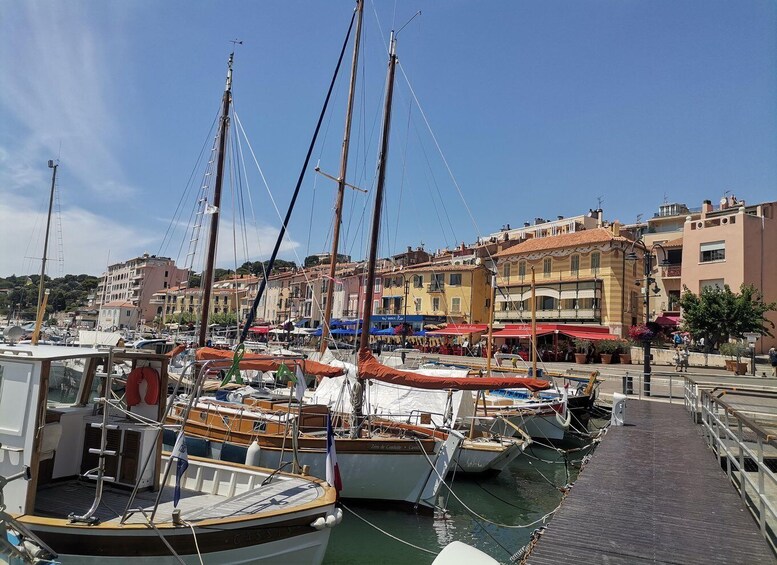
point(481, 457)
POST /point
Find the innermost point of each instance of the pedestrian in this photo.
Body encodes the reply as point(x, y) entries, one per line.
point(684, 355)
point(677, 360)
point(773, 360)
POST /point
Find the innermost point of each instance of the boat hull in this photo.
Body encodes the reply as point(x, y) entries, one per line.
point(477, 457)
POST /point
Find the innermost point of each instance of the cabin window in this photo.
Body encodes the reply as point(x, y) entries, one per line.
point(15, 387)
point(64, 384)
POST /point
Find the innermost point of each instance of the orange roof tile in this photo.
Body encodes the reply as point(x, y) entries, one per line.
point(576, 239)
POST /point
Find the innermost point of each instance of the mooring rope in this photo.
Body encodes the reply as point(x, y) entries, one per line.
point(384, 532)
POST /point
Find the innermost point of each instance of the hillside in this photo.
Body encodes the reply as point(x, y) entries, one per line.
point(20, 293)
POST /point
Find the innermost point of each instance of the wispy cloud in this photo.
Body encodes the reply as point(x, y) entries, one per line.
point(58, 91)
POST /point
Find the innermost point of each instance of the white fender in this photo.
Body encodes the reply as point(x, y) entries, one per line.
point(253, 453)
point(565, 418)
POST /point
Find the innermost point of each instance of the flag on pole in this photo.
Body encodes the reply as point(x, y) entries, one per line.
point(181, 456)
point(300, 386)
point(284, 372)
point(332, 469)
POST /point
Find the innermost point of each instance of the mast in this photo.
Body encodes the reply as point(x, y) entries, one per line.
point(39, 314)
point(370, 285)
point(341, 179)
point(533, 326)
point(208, 272)
point(491, 324)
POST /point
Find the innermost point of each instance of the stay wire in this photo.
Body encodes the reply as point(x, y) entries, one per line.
point(284, 225)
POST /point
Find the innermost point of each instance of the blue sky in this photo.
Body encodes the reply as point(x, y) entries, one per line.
point(537, 108)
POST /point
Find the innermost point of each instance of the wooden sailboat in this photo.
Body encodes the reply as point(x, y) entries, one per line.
point(100, 489)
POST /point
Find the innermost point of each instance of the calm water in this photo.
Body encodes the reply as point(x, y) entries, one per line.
point(518, 495)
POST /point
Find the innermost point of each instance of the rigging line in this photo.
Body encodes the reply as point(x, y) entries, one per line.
point(284, 226)
point(242, 181)
point(250, 198)
point(187, 185)
point(404, 171)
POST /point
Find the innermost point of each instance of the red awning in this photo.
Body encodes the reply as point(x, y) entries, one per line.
point(669, 321)
point(460, 329)
point(518, 333)
point(593, 336)
point(259, 329)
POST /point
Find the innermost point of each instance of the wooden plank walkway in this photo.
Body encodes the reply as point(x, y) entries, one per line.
point(652, 493)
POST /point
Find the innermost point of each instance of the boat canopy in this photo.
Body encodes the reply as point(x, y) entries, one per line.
point(371, 368)
point(269, 363)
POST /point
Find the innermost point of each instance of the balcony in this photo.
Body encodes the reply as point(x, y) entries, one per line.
point(671, 272)
point(587, 314)
point(435, 287)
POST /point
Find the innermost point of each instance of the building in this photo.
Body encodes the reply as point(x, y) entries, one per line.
point(117, 315)
point(134, 282)
point(228, 296)
point(732, 244)
point(581, 277)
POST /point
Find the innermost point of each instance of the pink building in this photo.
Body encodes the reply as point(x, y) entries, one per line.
point(733, 244)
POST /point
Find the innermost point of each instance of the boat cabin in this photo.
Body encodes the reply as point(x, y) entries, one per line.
point(51, 420)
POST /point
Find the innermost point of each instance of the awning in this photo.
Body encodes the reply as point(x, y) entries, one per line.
point(462, 329)
point(518, 333)
point(259, 329)
point(593, 336)
point(669, 321)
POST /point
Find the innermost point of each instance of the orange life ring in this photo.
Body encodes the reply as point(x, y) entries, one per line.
point(151, 377)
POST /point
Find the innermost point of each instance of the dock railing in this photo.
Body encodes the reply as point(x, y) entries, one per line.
point(740, 443)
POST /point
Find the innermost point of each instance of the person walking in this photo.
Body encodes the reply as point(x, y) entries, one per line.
point(773, 360)
point(684, 355)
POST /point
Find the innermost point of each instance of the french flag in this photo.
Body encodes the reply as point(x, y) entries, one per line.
point(332, 469)
point(182, 455)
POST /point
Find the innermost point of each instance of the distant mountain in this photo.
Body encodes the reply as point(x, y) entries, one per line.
point(19, 294)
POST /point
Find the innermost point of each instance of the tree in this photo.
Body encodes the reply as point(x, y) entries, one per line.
point(718, 314)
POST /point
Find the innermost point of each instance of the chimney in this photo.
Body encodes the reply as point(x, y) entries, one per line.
point(526, 224)
point(616, 228)
point(409, 249)
point(560, 217)
point(706, 207)
point(508, 226)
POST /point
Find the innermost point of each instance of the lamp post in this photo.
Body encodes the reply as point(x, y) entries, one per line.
point(647, 258)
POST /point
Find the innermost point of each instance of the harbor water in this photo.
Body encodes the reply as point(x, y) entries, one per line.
point(521, 494)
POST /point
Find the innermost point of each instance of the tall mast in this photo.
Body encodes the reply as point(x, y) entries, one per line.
point(341, 179)
point(208, 272)
point(39, 314)
point(370, 285)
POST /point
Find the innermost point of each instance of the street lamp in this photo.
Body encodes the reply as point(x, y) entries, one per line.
point(647, 258)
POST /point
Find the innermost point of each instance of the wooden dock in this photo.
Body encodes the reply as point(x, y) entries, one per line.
point(652, 493)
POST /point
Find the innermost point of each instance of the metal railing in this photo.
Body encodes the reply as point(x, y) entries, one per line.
point(740, 444)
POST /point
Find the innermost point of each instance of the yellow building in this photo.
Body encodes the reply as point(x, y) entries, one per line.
point(459, 293)
point(580, 278)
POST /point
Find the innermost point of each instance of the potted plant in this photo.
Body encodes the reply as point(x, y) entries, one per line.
point(581, 350)
point(606, 349)
point(735, 350)
point(624, 352)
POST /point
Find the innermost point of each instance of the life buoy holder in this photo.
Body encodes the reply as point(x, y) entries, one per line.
point(151, 377)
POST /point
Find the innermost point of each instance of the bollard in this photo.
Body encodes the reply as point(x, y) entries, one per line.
point(618, 416)
point(628, 384)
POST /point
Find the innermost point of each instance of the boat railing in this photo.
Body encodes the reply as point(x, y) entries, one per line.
point(746, 452)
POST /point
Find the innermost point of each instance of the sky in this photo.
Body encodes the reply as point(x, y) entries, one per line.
point(504, 111)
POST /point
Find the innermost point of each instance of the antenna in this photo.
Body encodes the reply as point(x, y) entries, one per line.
point(235, 42)
point(600, 201)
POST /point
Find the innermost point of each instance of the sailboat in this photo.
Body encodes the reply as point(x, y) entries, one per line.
point(84, 479)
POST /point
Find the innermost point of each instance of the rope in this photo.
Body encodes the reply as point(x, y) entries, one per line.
point(196, 543)
point(234, 370)
point(170, 547)
point(392, 536)
point(483, 518)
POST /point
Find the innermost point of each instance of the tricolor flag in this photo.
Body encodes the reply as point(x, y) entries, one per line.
point(182, 456)
point(300, 386)
point(332, 469)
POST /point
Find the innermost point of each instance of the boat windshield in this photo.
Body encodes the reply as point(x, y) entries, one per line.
point(65, 377)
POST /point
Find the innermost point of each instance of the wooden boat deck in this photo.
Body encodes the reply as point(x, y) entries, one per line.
point(652, 493)
point(59, 500)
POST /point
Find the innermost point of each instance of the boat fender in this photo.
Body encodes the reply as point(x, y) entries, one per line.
point(319, 523)
point(253, 453)
point(331, 521)
point(566, 419)
point(338, 515)
point(151, 377)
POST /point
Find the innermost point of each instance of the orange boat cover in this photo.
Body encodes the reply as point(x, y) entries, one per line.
point(269, 363)
point(371, 368)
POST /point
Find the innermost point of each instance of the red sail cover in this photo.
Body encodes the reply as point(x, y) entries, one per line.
point(269, 363)
point(371, 368)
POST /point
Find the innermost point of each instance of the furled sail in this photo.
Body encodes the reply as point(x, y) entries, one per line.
point(269, 363)
point(371, 368)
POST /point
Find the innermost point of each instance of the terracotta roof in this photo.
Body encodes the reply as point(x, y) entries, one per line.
point(576, 239)
point(674, 243)
point(119, 304)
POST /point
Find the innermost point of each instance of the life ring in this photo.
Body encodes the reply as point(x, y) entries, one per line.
point(151, 377)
